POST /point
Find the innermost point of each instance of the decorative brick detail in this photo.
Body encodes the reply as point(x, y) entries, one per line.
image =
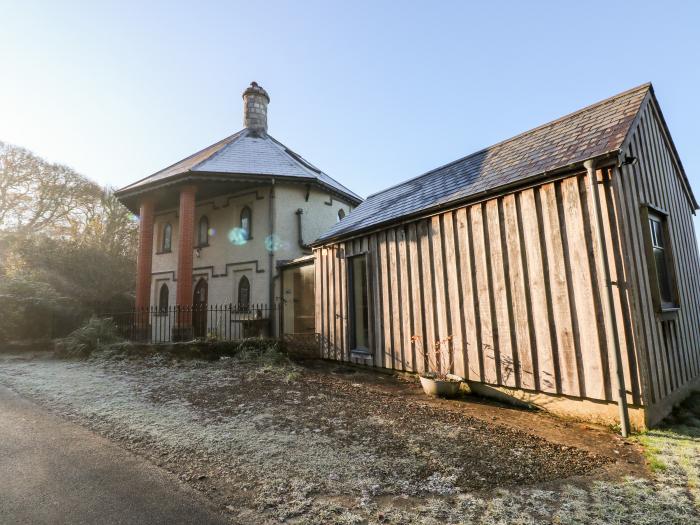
point(185, 247)
point(145, 255)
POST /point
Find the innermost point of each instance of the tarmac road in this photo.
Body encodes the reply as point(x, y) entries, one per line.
point(55, 472)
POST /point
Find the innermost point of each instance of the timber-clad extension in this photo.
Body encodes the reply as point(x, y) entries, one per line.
point(502, 251)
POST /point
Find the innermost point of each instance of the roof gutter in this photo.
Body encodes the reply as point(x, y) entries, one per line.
point(605, 159)
point(126, 193)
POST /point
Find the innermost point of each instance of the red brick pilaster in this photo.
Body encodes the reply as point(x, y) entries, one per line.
point(185, 246)
point(145, 256)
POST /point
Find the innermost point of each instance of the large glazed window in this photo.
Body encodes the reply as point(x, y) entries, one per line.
point(359, 303)
point(661, 261)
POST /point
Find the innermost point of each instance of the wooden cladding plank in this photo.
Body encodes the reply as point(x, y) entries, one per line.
point(407, 306)
point(377, 335)
point(600, 293)
point(541, 317)
point(333, 316)
point(521, 321)
point(428, 292)
point(583, 284)
point(318, 305)
point(621, 196)
point(620, 306)
point(561, 304)
point(416, 299)
point(327, 339)
point(442, 305)
point(454, 288)
point(471, 341)
point(487, 348)
point(342, 299)
point(395, 292)
point(388, 357)
point(505, 357)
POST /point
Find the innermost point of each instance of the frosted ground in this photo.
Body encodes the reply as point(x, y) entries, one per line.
point(277, 442)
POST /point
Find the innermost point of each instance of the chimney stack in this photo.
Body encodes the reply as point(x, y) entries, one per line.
point(255, 101)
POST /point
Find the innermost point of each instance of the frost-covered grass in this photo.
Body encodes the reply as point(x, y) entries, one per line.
point(194, 419)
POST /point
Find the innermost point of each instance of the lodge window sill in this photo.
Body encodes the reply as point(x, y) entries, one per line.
point(361, 353)
point(668, 313)
point(162, 252)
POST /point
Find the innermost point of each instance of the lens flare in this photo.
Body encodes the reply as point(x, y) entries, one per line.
point(274, 243)
point(238, 236)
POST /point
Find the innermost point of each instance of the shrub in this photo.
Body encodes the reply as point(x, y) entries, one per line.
point(97, 332)
point(31, 310)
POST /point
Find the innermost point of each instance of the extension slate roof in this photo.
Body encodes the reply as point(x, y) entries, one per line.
point(587, 133)
point(245, 153)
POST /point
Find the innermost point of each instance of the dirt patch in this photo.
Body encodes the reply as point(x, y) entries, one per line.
point(434, 447)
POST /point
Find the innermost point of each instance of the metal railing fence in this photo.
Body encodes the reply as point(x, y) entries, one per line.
point(225, 322)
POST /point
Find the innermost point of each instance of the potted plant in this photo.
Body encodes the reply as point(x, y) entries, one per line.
point(437, 380)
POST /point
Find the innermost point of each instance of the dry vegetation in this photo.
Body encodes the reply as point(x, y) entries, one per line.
point(271, 441)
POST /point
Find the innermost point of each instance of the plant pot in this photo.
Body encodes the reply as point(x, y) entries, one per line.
point(440, 387)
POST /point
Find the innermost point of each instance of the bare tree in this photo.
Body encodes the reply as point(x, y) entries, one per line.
point(40, 197)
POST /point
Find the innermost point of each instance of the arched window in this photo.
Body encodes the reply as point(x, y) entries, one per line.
point(246, 223)
point(167, 238)
point(244, 293)
point(203, 235)
point(163, 298)
point(341, 214)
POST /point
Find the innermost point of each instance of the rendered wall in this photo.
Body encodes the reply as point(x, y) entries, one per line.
point(229, 257)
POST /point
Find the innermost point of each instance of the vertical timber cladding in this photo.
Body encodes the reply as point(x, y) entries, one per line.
point(669, 349)
point(513, 280)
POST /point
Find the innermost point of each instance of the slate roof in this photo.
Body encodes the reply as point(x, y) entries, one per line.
point(245, 153)
point(587, 133)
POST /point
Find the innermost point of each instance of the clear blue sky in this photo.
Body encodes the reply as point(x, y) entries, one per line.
point(371, 92)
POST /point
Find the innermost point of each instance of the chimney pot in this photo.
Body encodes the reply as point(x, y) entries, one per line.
point(255, 101)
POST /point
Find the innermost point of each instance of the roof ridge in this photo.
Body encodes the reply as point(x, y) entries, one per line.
point(316, 172)
point(646, 85)
point(284, 150)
